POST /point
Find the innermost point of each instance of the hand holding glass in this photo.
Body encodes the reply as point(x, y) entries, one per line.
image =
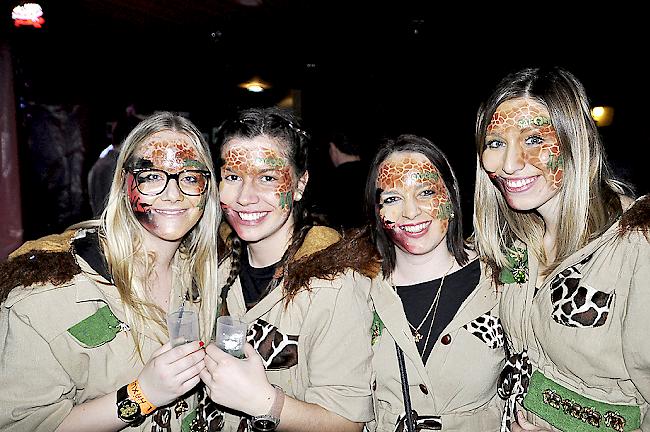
point(183, 327)
point(231, 335)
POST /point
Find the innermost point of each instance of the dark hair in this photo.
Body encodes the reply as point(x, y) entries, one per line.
point(286, 129)
point(413, 143)
point(346, 142)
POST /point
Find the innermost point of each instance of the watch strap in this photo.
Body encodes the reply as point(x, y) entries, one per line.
point(136, 394)
point(278, 402)
point(269, 422)
point(128, 410)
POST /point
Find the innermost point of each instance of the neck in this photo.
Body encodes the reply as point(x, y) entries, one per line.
point(411, 269)
point(344, 157)
point(160, 282)
point(270, 250)
point(550, 213)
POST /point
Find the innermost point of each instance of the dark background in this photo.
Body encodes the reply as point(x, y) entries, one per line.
point(384, 68)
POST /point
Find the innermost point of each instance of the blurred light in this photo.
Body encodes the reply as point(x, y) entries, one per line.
point(256, 85)
point(29, 14)
point(602, 115)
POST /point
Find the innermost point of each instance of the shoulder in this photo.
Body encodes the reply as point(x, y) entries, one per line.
point(326, 254)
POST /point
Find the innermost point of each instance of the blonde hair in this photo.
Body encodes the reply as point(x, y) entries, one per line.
point(130, 263)
point(589, 196)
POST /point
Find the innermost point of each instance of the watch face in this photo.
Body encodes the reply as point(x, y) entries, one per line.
point(265, 424)
point(128, 410)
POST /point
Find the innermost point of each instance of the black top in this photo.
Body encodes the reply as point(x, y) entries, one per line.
point(418, 298)
point(254, 280)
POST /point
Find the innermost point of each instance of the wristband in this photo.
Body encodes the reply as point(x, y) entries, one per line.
point(135, 393)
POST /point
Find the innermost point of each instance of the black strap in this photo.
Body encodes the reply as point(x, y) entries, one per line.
point(410, 427)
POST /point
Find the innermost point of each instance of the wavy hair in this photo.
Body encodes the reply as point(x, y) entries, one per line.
point(129, 261)
point(413, 143)
point(589, 196)
point(286, 129)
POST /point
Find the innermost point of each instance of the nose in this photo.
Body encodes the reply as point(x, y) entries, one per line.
point(172, 192)
point(513, 159)
point(411, 208)
point(247, 194)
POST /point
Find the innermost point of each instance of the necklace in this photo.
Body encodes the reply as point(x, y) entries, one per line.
point(434, 307)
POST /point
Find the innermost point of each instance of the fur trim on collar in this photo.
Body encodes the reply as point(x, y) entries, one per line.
point(637, 217)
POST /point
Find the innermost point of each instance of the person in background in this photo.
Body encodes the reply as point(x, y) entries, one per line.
point(84, 344)
point(570, 249)
point(303, 290)
point(344, 201)
point(100, 176)
point(432, 300)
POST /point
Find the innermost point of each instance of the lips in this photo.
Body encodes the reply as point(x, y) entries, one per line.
point(516, 185)
point(415, 230)
point(248, 218)
point(169, 212)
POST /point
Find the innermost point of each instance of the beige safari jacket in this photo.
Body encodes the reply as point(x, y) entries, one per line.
point(325, 334)
point(63, 345)
point(586, 330)
point(459, 382)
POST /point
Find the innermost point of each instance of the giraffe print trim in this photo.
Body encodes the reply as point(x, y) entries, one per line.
point(488, 329)
point(278, 351)
point(576, 305)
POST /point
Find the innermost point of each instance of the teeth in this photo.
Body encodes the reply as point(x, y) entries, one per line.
point(415, 228)
point(519, 183)
point(169, 212)
point(252, 216)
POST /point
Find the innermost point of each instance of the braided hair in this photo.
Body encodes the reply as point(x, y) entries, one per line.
point(286, 129)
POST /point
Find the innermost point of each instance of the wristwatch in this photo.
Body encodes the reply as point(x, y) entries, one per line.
point(128, 410)
point(269, 422)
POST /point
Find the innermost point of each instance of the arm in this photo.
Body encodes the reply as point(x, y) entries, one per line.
point(243, 386)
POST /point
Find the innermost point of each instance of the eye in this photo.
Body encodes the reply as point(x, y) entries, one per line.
point(390, 200)
point(534, 140)
point(427, 193)
point(149, 177)
point(493, 144)
point(267, 178)
point(231, 177)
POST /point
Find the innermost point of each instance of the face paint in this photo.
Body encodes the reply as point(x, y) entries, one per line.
point(258, 188)
point(171, 214)
point(522, 154)
point(413, 202)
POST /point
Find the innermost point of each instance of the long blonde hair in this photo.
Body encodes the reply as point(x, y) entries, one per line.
point(589, 197)
point(124, 248)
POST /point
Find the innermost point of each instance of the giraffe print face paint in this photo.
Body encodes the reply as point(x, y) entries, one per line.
point(258, 188)
point(171, 214)
point(522, 154)
point(413, 202)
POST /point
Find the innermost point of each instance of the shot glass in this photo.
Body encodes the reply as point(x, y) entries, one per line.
point(183, 327)
point(231, 335)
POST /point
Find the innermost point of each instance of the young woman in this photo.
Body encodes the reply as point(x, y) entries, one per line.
point(431, 302)
point(82, 325)
point(298, 286)
point(572, 252)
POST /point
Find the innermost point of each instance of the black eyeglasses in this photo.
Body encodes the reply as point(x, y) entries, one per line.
point(154, 181)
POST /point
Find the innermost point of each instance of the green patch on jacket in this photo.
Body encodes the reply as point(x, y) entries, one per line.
point(517, 269)
point(97, 329)
point(377, 328)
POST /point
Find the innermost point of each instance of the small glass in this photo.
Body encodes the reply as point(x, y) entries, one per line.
point(183, 327)
point(231, 335)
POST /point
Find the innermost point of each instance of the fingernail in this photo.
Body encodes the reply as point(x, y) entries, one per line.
point(201, 344)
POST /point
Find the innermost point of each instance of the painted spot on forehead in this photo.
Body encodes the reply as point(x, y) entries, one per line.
point(171, 154)
point(406, 172)
point(520, 117)
point(247, 160)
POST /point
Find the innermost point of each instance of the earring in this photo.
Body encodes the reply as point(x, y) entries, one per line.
point(452, 215)
point(298, 195)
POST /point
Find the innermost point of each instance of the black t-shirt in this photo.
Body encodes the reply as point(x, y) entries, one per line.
point(418, 298)
point(254, 280)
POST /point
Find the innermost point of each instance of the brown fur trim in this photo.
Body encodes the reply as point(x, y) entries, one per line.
point(637, 217)
point(36, 267)
point(354, 251)
point(52, 243)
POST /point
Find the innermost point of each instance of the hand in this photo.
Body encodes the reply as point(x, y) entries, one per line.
point(523, 424)
point(240, 384)
point(172, 372)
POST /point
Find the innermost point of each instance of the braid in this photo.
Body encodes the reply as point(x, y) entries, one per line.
point(236, 245)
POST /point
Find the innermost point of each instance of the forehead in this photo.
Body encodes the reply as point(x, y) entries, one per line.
point(407, 162)
point(513, 109)
point(260, 144)
point(167, 145)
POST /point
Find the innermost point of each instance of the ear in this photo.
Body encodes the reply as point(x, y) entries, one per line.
point(302, 184)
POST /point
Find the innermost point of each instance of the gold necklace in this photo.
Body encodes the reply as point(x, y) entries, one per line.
point(434, 307)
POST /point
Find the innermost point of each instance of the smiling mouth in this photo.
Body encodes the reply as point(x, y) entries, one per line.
point(518, 185)
point(252, 216)
point(415, 229)
point(168, 212)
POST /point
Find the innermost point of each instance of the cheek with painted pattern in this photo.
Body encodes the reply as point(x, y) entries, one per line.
point(139, 203)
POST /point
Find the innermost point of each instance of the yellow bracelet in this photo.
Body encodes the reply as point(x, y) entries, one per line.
point(136, 394)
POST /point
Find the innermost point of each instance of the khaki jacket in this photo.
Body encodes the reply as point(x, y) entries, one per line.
point(587, 327)
point(325, 331)
point(62, 345)
point(459, 381)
